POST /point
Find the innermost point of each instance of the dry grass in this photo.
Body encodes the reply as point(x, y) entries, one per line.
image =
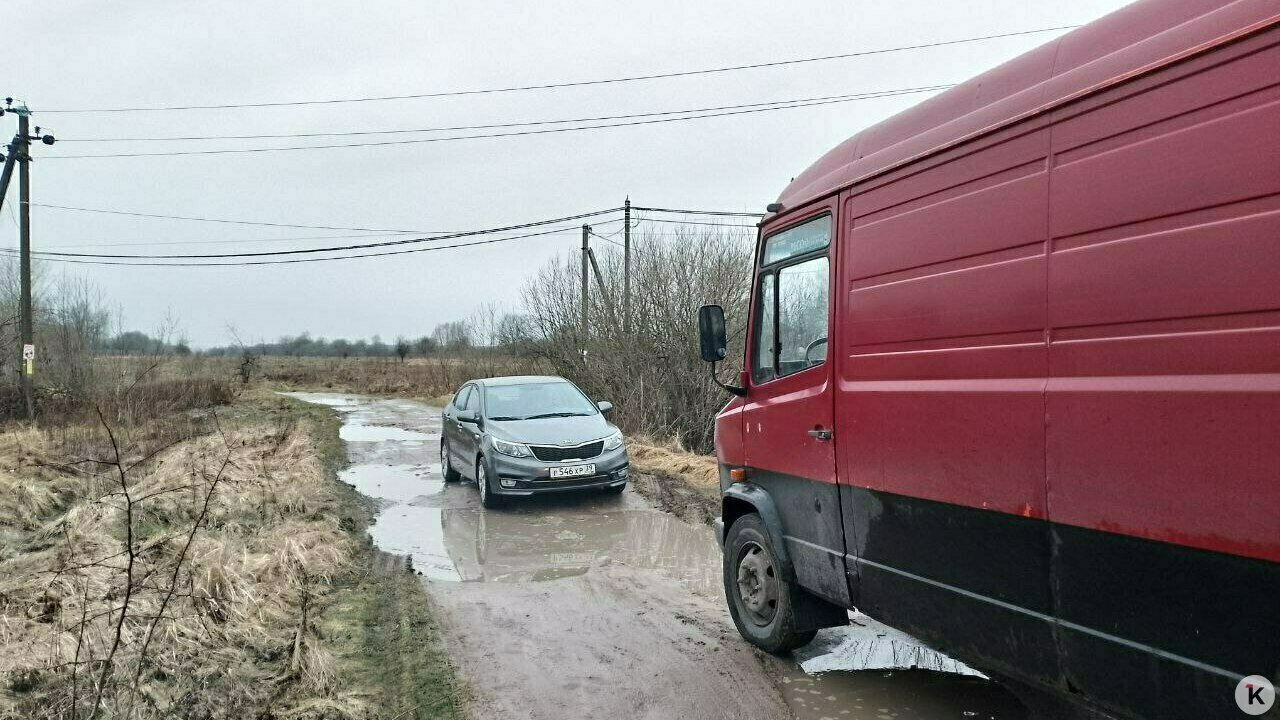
point(671, 461)
point(228, 613)
point(429, 379)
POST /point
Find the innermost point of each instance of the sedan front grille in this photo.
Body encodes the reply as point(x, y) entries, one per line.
point(551, 453)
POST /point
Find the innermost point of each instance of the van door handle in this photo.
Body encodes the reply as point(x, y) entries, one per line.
point(820, 434)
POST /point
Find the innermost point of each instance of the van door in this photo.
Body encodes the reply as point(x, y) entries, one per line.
point(787, 416)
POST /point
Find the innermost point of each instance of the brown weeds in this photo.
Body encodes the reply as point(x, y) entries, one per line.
point(161, 577)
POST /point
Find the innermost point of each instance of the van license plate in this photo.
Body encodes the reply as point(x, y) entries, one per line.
point(573, 471)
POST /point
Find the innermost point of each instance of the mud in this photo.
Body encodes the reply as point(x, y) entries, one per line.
point(589, 605)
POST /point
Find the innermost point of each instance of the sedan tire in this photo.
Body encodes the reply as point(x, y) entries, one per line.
point(488, 498)
point(446, 467)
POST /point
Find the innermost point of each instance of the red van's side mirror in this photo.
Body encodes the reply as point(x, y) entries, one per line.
point(713, 347)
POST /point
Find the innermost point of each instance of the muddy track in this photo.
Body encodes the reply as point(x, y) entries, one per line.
point(585, 606)
point(676, 498)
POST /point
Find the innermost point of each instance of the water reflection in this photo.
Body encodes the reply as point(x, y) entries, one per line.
point(533, 544)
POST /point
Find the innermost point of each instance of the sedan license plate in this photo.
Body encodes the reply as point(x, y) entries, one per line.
point(573, 471)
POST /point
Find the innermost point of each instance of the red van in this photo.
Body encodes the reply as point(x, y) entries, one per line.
point(1012, 373)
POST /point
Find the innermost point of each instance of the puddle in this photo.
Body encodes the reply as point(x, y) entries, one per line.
point(864, 670)
point(898, 695)
point(552, 542)
point(379, 433)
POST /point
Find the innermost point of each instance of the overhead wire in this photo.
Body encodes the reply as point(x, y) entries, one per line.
point(715, 213)
point(156, 216)
point(564, 84)
point(526, 123)
point(337, 248)
point(145, 263)
point(519, 133)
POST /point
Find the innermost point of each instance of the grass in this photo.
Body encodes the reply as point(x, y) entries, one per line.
point(699, 472)
point(381, 626)
point(390, 644)
point(281, 607)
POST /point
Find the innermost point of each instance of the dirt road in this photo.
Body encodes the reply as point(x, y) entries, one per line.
point(593, 606)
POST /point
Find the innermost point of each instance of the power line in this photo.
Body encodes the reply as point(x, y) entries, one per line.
point(340, 248)
point(152, 215)
point(697, 222)
point(528, 123)
point(241, 241)
point(11, 252)
point(416, 141)
point(579, 83)
point(716, 213)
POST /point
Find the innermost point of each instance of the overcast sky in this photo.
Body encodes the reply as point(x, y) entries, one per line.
point(92, 54)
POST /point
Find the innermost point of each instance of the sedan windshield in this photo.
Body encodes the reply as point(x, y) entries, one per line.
point(536, 400)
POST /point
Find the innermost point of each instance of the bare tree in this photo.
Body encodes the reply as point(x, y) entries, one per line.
point(652, 374)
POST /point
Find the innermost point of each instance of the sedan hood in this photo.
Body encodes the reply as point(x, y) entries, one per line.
point(551, 431)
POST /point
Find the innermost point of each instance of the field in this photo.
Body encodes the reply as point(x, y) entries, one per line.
point(204, 563)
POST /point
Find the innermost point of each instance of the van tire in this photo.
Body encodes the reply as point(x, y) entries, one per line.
point(764, 606)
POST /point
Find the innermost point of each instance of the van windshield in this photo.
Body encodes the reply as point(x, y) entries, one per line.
point(536, 400)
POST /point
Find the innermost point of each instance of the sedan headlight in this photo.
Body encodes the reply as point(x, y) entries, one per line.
point(614, 441)
point(511, 448)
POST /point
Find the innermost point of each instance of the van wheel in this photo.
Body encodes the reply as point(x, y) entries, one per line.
point(446, 467)
point(487, 497)
point(762, 603)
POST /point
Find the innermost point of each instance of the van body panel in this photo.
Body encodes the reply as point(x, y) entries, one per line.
point(1164, 386)
point(1054, 365)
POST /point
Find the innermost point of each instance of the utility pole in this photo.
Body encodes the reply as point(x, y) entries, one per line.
point(604, 291)
point(586, 248)
point(626, 266)
point(24, 250)
point(20, 153)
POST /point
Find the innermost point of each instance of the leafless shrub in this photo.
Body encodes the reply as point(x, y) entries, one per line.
point(652, 374)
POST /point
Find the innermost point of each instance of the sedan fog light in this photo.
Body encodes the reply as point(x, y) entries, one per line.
point(507, 483)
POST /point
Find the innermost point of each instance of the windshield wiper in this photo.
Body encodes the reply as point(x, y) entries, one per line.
point(506, 417)
point(557, 415)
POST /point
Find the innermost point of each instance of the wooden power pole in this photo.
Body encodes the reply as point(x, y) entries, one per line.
point(27, 367)
point(586, 283)
point(19, 153)
point(626, 267)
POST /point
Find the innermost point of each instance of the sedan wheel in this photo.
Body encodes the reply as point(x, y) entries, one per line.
point(487, 498)
point(446, 467)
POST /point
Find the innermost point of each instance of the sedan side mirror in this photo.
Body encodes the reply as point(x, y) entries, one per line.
point(712, 345)
point(605, 406)
point(711, 340)
point(469, 416)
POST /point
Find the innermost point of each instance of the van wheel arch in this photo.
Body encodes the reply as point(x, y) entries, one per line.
point(742, 499)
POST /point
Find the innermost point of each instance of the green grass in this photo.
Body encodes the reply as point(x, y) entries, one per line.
point(389, 644)
point(379, 624)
